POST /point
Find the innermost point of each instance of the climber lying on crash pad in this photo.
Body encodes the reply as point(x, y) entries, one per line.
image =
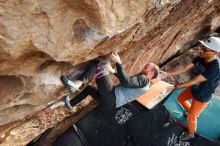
point(130, 88)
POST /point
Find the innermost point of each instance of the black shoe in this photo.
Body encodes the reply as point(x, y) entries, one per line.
point(186, 136)
point(185, 114)
point(70, 84)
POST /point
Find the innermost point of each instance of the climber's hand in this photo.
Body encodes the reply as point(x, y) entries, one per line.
point(171, 88)
point(163, 74)
point(115, 57)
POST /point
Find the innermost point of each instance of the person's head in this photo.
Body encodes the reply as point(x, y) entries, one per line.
point(151, 70)
point(210, 47)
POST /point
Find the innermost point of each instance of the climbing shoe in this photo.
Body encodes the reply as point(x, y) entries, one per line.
point(70, 84)
point(67, 101)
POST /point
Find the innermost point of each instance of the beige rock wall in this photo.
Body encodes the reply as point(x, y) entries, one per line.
point(40, 40)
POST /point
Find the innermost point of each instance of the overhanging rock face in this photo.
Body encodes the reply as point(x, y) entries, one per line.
point(40, 40)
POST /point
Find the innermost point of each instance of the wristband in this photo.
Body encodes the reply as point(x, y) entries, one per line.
point(175, 86)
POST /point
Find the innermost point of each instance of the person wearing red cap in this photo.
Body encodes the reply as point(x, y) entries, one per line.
point(206, 70)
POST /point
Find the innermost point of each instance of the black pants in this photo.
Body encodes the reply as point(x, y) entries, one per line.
point(104, 94)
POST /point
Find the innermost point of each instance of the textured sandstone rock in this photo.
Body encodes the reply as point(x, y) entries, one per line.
point(21, 132)
point(40, 40)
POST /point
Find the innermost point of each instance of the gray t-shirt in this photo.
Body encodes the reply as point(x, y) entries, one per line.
point(125, 95)
point(131, 87)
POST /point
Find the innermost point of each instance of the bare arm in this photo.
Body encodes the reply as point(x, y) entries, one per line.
point(193, 81)
point(181, 70)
